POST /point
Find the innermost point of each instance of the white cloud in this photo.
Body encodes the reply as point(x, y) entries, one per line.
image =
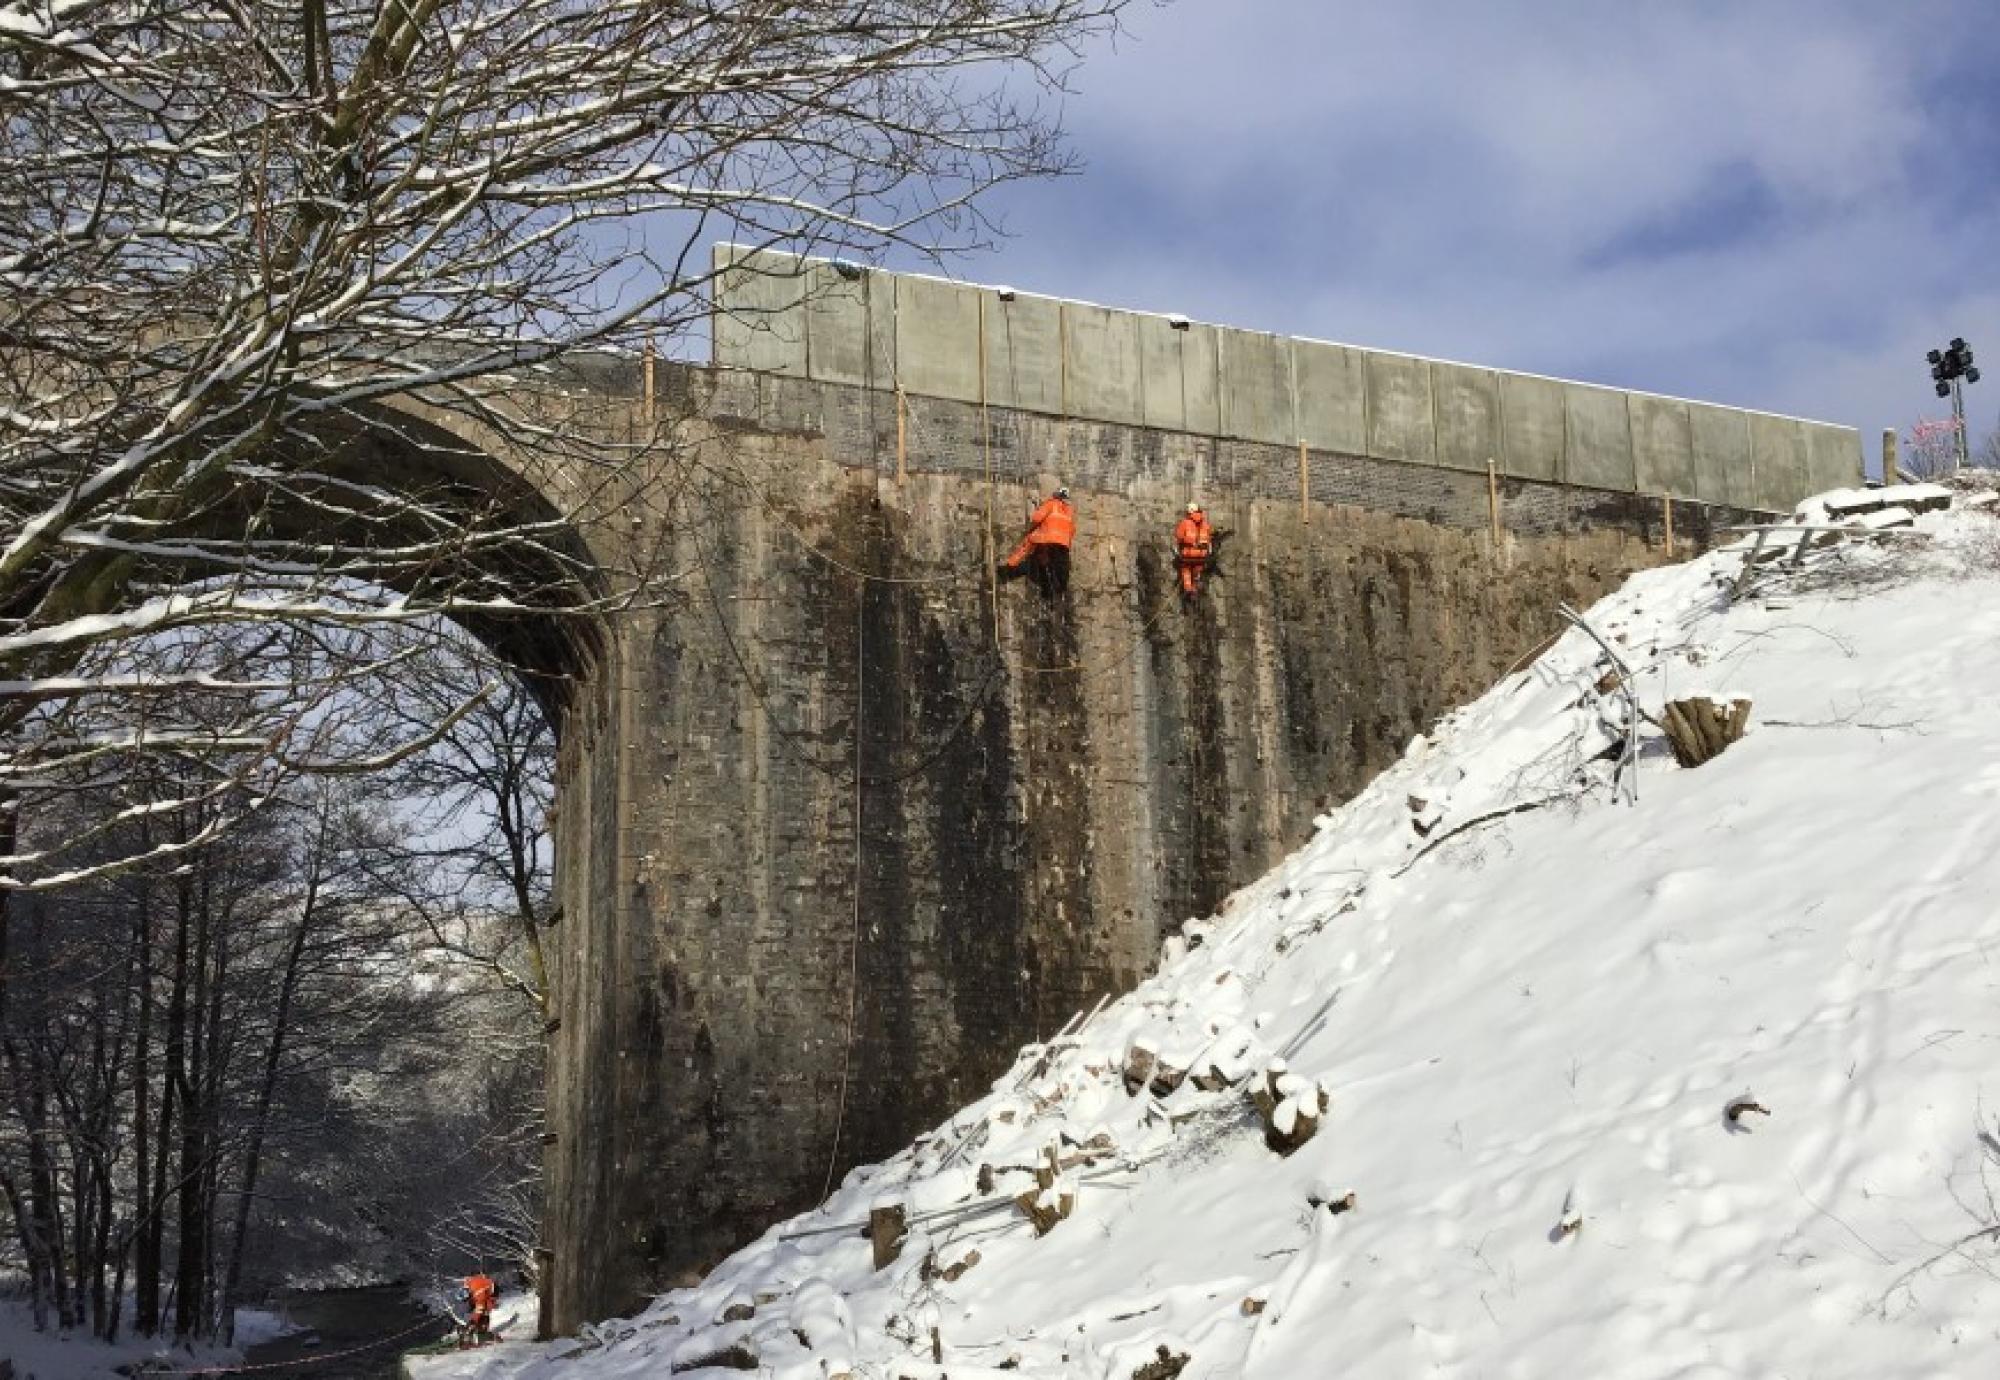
point(1750, 202)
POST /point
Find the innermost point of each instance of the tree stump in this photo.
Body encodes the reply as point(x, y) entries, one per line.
point(1700, 729)
point(888, 1223)
point(1139, 1062)
point(1290, 1106)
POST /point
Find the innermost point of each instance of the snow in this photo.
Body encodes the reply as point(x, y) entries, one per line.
point(1531, 1022)
point(79, 1356)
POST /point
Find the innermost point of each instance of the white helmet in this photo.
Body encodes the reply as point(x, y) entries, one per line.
point(1193, 508)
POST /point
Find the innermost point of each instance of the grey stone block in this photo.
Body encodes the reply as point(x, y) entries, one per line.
point(1720, 437)
point(1257, 388)
point(1103, 363)
point(1332, 383)
point(1600, 438)
point(1663, 447)
point(1466, 405)
point(756, 323)
point(1024, 353)
point(1399, 409)
point(1535, 430)
point(937, 338)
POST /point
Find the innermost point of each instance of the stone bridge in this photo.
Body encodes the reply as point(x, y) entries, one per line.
point(841, 823)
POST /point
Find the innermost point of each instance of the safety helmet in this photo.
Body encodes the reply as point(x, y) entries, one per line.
point(1062, 492)
point(1193, 508)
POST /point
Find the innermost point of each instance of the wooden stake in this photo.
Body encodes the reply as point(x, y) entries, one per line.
point(1668, 500)
point(1305, 485)
point(646, 380)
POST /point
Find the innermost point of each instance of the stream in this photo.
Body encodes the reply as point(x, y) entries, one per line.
point(350, 1334)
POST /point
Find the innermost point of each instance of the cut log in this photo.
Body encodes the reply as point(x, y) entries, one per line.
point(1699, 729)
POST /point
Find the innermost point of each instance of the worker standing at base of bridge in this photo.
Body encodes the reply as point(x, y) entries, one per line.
point(480, 1294)
point(1194, 544)
point(1045, 549)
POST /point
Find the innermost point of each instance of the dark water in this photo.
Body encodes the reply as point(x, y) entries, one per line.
point(352, 1334)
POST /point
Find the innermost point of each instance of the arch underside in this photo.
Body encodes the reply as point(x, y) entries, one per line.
point(404, 505)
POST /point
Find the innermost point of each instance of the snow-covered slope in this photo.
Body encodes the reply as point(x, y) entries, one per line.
point(1532, 1004)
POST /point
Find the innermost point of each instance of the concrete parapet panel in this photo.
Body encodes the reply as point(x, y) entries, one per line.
point(1663, 448)
point(757, 323)
point(1331, 381)
point(1466, 405)
point(850, 326)
point(1833, 457)
point(1600, 438)
point(1024, 353)
point(1720, 438)
point(1400, 421)
point(1779, 465)
point(1168, 367)
point(1257, 388)
point(1533, 431)
point(937, 338)
point(1102, 348)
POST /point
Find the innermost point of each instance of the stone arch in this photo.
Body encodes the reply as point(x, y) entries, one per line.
point(524, 541)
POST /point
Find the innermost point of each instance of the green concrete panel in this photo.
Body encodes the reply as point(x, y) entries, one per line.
point(757, 323)
point(850, 326)
point(1600, 438)
point(1257, 388)
point(1024, 353)
point(1720, 437)
point(1779, 469)
point(1833, 456)
point(1103, 354)
point(1534, 430)
point(1662, 446)
point(1400, 422)
point(1332, 383)
point(1466, 406)
point(937, 338)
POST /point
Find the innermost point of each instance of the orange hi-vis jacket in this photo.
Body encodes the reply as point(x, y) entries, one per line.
point(479, 1289)
point(1193, 536)
point(1054, 523)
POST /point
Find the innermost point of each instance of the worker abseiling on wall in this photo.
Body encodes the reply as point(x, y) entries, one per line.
point(1194, 544)
point(479, 1297)
point(1044, 551)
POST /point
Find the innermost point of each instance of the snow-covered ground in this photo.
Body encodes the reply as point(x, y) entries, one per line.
point(78, 1356)
point(1533, 1006)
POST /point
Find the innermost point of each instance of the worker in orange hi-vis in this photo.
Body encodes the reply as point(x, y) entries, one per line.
point(1194, 543)
point(1050, 532)
point(480, 1294)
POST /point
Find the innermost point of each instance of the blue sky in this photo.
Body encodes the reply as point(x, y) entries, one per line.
point(1770, 203)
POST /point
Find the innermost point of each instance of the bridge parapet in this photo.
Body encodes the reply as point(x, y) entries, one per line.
point(931, 337)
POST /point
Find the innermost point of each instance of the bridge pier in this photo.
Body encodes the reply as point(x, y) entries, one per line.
point(746, 997)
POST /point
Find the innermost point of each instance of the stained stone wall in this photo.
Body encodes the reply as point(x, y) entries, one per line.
point(828, 777)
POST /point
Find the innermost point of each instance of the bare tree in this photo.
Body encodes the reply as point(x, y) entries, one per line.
point(241, 243)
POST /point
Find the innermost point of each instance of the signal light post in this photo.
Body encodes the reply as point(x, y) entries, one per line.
point(1951, 370)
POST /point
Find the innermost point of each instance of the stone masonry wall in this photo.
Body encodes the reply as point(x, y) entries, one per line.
point(1044, 787)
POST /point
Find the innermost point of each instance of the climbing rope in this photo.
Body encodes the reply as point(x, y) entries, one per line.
point(854, 942)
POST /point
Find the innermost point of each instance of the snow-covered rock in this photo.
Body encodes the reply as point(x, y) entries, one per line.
point(1534, 1021)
